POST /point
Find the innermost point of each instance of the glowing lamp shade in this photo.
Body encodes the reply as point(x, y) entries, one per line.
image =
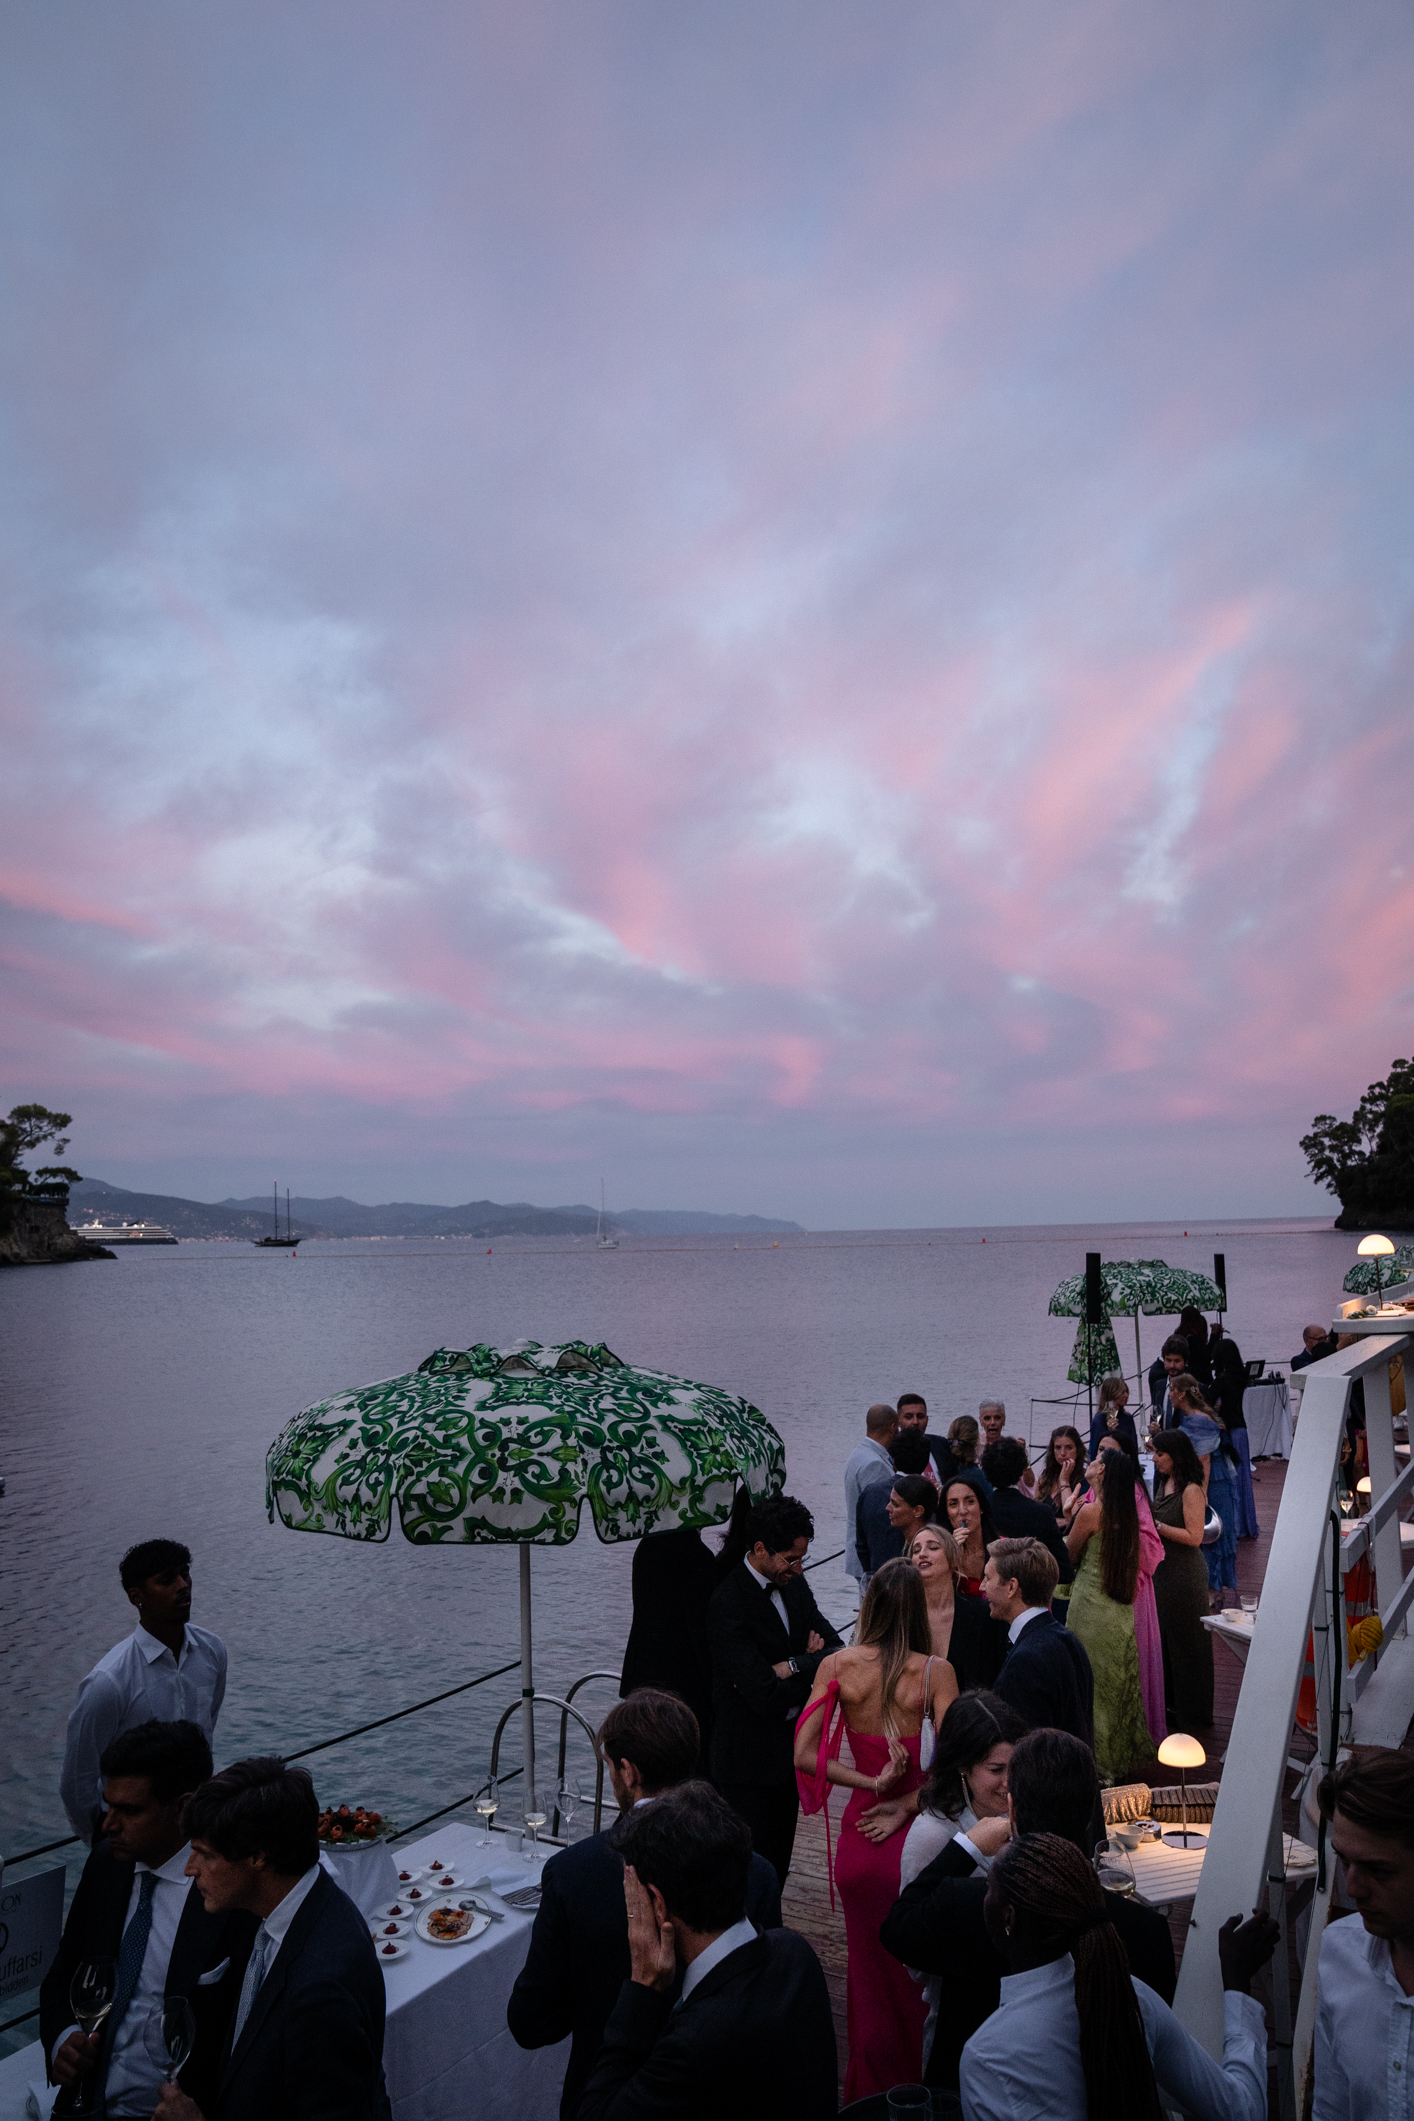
point(1362, 1487)
point(1180, 1751)
point(1374, 1247)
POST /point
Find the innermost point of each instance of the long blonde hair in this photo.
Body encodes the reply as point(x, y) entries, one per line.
point(893, 1620)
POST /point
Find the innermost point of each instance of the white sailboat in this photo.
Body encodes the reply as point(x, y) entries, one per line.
point(603, 1241)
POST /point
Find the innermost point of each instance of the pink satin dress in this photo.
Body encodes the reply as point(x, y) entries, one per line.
point(1146, 1625)
point(887, 2010)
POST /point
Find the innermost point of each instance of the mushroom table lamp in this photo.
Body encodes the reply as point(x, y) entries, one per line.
point(1376, 1248)
point(1180, 1751)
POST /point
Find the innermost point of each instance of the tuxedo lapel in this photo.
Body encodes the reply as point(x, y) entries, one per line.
point(278, 1973)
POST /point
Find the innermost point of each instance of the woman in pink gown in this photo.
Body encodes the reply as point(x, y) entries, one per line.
point(1146, 1614)
point(877, 1690)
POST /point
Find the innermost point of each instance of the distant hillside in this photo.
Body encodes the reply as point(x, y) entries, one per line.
point(340, 1217)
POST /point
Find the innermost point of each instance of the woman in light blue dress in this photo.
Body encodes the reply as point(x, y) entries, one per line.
point(1209, 1438)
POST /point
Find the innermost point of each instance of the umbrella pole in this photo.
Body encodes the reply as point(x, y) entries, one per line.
point(1138, 1358)
point(527, 1683)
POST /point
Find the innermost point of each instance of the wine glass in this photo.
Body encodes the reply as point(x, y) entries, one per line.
point(1114, 1869)
point(534, 1820)
point(91, 1994)
point(488, 1803)
point(170, 2034)
point(568, 1801)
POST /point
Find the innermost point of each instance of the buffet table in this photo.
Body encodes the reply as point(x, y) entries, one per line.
point(446, 2051)
point(1266, 1409)
point(1163, 1873)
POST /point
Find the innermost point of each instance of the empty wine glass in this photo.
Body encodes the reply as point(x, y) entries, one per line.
point(568, 1800)
point(534, 1820)
point(170, 2034)
point(488, 1803)
point(91, 1994)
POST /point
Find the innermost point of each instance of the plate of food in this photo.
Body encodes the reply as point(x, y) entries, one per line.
point(441, 1881)
point(407, 1878)
point(404, 1910)
point(449, 1924)
point(391, 1949)
point(391, 1928)
point(352, 1826)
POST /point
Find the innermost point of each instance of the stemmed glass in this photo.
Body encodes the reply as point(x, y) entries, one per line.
point(91, 1994)
point(1114, 1869)
point(568, 1801)
point(488, 1803)
point(534, 1820)
point(170, 2034)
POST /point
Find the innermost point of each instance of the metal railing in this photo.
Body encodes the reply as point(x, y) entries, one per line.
point(1304, 1602)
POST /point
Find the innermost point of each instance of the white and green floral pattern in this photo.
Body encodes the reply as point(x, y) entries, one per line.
point(488, 1445)
point(1089, 1364)
point(1395, 1267)
point(1150, 1285)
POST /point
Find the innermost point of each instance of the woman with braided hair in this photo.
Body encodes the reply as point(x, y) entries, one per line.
point(1076, 2037)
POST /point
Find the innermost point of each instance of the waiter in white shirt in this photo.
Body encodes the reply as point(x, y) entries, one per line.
point(135, 1906)
point(166, 1671)
point(1363, 2066)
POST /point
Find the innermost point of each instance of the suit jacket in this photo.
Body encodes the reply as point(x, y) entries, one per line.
point(755, 2034)
point(1017, 1516)
point(674, 1577)
point(579, 1960)
point(978, 1643)
point(754, 1712)
point(204, 1944)
point(1047, 1679)
point(312, 2046)
point(936, 1925)
point(875, 1539)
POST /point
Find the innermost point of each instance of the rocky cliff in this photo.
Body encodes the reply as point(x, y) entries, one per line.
point(40, 1235)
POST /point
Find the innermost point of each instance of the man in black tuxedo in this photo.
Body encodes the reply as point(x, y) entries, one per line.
point(135, 1905)
point(936, 1924)
point(1046, 1675)
point(579, 1956)
point(752, 2027)
point(767, 1635)
point(1017, 1515)
point(306, 2041)
point(913, 1421)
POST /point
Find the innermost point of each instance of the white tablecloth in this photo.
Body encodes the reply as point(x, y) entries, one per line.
point(447, 2052)
point(1266, 1408)
point(17, 2073)
point(1163, 1873)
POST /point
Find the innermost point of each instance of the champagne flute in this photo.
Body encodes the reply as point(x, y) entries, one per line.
point(534, 1820)
point(568, 1801)
point(488, 1803)
point(170, 2034)
point(91, 1994)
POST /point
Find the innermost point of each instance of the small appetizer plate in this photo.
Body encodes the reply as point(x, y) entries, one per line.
point(391, 1949)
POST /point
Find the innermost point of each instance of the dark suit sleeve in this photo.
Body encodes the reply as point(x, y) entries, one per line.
point(333, 2069)
point(1020, 1682)
point(933, 1919)
point(827, 1631)
point(861, 1535)
point(1148, 1944)
point(739, 1661)
point(75, 1944)
point(540, 2010)
point(763, 1894)
point(637, 2076)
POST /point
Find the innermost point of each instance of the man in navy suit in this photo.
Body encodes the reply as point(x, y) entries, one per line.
point(306, 2042)
point(579, 1953)
point(1017, 1515)
point(135, 1905)
point(1046, 1675)
point(751, 2029)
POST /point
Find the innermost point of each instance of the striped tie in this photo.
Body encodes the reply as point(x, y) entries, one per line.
point(131, 1953)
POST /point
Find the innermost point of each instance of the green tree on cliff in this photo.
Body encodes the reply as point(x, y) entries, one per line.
point(1367, 1161)
point(28, 1128)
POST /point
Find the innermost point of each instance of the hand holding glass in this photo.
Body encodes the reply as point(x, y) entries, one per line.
point(91, 1994)
point(170, 2034)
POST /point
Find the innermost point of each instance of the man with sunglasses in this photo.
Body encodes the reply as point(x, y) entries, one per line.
point(766, 1635)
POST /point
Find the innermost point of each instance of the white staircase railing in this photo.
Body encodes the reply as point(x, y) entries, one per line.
point(1303, 1599)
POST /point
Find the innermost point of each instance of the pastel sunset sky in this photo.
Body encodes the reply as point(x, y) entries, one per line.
point(804, 606)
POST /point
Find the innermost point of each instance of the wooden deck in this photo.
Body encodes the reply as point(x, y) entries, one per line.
point(806, 1902)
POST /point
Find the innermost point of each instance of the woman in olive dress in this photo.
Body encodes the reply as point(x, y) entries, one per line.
point(1181, 1582)
point(1104, 1545)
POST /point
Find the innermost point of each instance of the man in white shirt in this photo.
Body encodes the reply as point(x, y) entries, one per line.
point(867, 1462)
point(166, 1671)
point(135, 1906)
point(1364, 2051)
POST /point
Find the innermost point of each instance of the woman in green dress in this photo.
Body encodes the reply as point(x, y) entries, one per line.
point(1181, 1583)
point(1104, 1545)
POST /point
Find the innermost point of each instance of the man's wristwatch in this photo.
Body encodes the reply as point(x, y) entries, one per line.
point(794, 1663)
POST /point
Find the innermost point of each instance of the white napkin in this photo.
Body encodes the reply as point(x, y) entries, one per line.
point(40, 2100)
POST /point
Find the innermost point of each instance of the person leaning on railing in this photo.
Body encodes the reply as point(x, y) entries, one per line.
point(1364, 2049)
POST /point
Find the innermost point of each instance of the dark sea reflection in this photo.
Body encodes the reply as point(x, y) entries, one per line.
point(139, 1397)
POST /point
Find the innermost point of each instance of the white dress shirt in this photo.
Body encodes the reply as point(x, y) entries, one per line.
point(1364, 2029)
point(730, 1940)
point(928, 1836)
point(776, 1599)
point(1023, 2063)
point(134, 2079)
point(1024, 1619)
point(138, 1681)
point(867, 1462)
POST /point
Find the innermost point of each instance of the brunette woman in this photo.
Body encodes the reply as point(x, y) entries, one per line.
point(1203, 1427)
point(1181, 1583)
point(1062, 1484)
point(961, 1626)
point(970, 1522)
point(1104, 1545)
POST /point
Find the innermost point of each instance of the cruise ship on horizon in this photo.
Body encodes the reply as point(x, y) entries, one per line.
point(126, 1234)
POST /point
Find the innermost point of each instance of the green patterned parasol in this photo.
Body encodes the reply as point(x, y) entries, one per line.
point(1131, 1286)
point(503, 1446)
point(1369, 1277)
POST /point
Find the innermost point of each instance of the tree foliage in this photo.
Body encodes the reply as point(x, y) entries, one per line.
point(1367, 1161)
point(28, 1128)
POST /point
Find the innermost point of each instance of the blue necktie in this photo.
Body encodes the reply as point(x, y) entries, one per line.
point(260, 1954)
point(131, 1953)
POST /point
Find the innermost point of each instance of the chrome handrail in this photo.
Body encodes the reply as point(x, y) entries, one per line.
point(556, 1701)
point(570, 1693)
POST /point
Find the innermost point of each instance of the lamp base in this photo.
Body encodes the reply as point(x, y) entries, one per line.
point(1191, 1836)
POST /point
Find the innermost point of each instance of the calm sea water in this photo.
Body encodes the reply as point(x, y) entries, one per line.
point(139, 1397)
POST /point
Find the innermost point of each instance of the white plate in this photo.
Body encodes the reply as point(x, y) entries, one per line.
point(404, 1910)
point(388, 1932)
point(401, 1948)
point(407, 1878)
point(444, 1881)
point(429, 1868)
point(479, 1925)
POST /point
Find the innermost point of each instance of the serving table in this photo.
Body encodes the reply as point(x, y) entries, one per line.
point(1266, 1409)
point(1163, 1873)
